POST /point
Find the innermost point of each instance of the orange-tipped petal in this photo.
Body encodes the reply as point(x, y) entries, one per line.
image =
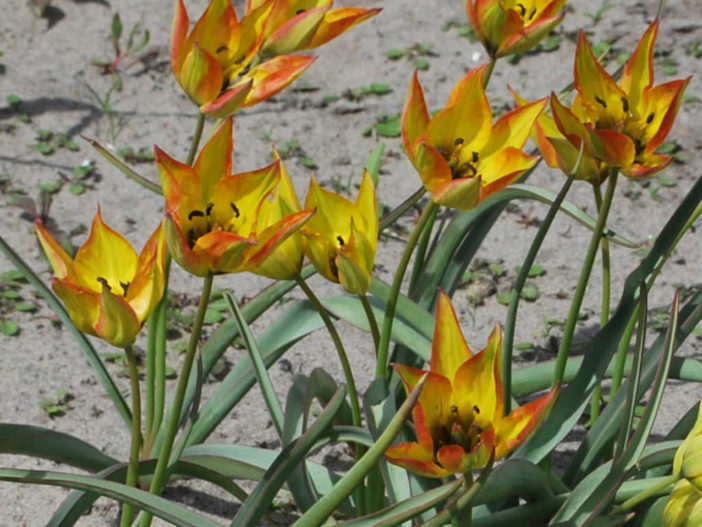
point(179, 248)
point(457, 461)
point(367, 206)
point(652, 164)
point(434, 402)
point(296, 32)
point(513, 128)
point(146, 289)
point(415, 116)
point(521, 422)
point(567, 156)
point(596, 86)
point(275, 75)
point(179, 33)
point(201, 76)
point(117, 323)
point(214, 29)
point(82, 304)
point(612, 147)
point(355, 262)
point(433, 169)
point(449, 349)
point(106, 256)
point(338, 21)
point(544, 128)
point(568, 124)
point(229, 102)
point(215, 159)
point(273, 236)
point(638, 70)
point(528, 37)
point(502, 169)
point(416, 458)
point(59, 259)
point(665, 101)
point(224, 251)
point(177, 179)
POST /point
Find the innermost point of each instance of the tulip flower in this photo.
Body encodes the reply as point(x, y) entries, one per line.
point(508, 26)
point(215, 65)
point(295, 25)
point(108, 289)
point(684, 507)
point(621, 124)
point(461, 156)
point(342, 237)
point(688, 458)
point(557, 152)
point(213, 220)
point(459, 416)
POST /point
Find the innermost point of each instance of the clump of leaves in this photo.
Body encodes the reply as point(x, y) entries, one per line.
point(12, 301)
point(129, 50)
point(133, 157)
point(416, 53)
point(358, 94)
point(58, 405)
point(385, 126)
point(48, 142)
point(15, 102)
point(292, 149)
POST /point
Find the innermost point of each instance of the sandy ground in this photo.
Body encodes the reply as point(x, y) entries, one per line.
point(48, 64)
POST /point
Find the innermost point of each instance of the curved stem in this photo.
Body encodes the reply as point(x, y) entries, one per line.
point(569, 329)
point(420, 255)
point(510, 321)
point(196, 139)
point(133, 468)
point(384, 345)
point(348, 373)
point(372, 322)
point(403, 207)
point(488, 71)
point(158, 481)
point(657, 488)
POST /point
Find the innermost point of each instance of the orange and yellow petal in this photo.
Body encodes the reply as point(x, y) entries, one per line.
point(338, 21)
point(513, 128)
point(355, 262)
point(296, 32)
point(367, 206)
point(215, 159)
point(179, 249)
point(179, 32)
point(117, 322)
point(637, 74)
point(416, 458)
point(213, 30)
point(59, 259)
point(146, 289)
point(223, 251)
point(612, 147)
point(201, 75)
point(228, 102)
point(663, 103)
point(275, 75)
point(107, 255)
point(272, 237)
point(82, 304)
point(503, 168)
point(415, 116)
point(650, 165)
point(449, 347)
point(529, 36)
point(568, 123)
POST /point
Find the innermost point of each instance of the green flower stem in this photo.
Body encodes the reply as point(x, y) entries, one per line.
point(196, 139)
point(606, 296)
point(158, 481)
point(381, 369)
point(420, 255)
point(348, 374)
point(569, 329)
point(372, 322)
point(653, 490)
point(133, 468)
point(403, 207)
point(510, 321)
point(488, 71)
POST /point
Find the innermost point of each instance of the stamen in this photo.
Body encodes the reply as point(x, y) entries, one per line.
point(522, 9)
point(625, 104)
point(334, 269)
point(601, 101)
point(454, 409)
point(476, 409)
point(458, 142)
point(650, 117)
point(103, 281)
point(235, 209)
point(300, 11)
point(533, 12)
point(476, 157)
point(208, 210)
point(192, 237)
point(125, 287)
point(196, 214)
point(477, 429)
point(222, 48)
point(340, 240)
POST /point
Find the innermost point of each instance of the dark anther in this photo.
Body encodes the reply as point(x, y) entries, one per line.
point(442, 152)
point(476, 157)
point(240, 60)
point(533, 12)
point(454, 409)
point(458, 141)
point(300, 11)
point(340, 240)
point(334, 269)
point(522, 9)
point(222, 48)
point(601, 101)
point(192, 237)
point(470, 167)
point(477, 428)
point(196, 214)
point(225, 83)
point(125, 287)
point(625, 104)
point(235, 209)
point(476, 409)
point(650, 117)
point(208, 210)
point(104, 282)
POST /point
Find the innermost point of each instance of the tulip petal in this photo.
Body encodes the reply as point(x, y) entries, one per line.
point(274, 75)
point(177, 180)
point(179, 32)
point(82, 304)
point(368, 210)
point(544, 128)
point(296, 32)
point(179, 248)
point(106, 256)
point(273, 236)
point(215, 159)
point(59, 259)
point(416, 458)
point(638, 70)
point(612, 147)
point(433, 169)
point(229, 102)
point(117, 323)
point(521, 422)
point(568, 124)
point(224, 251)
point(201, 75)
point(567, 156)
point(528, 37)
point(415, 116)
point(651, 164)
point(212, 31)
point(338, 21)
point(663, 102)
point(503, 168)
point(355, 262)
point(146, 289)
point(449, 349)
point(475, 384)
point(513, 128)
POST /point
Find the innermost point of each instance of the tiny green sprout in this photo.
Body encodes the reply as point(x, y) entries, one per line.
point(669, 66)
point(308, 162)
point(394, 54)
point(14, 99)
point(376, 89)
point(530, 292)
point(9, 328)
point(421, 64)
point(525, 346)
point(534, 271)
point(329, 99)
point(58, 405)
point(389, 125)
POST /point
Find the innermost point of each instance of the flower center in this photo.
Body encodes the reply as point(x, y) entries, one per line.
point(456, 160)
point(202, 223)
point(123, 285)
point(459, 430)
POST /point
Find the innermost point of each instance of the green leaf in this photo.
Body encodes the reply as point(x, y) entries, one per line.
point(389, 126)
point(373, 161)
point(212, 316)
point(530, 292)
point(9, 328)
point(536, 270)
point(421, 64)
point(27, 307)
point(77, 189)
point(308, 162)
point(260, 499)
point(116, 29)
point(14, 99)
point(376, 89)
point(394, 54)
